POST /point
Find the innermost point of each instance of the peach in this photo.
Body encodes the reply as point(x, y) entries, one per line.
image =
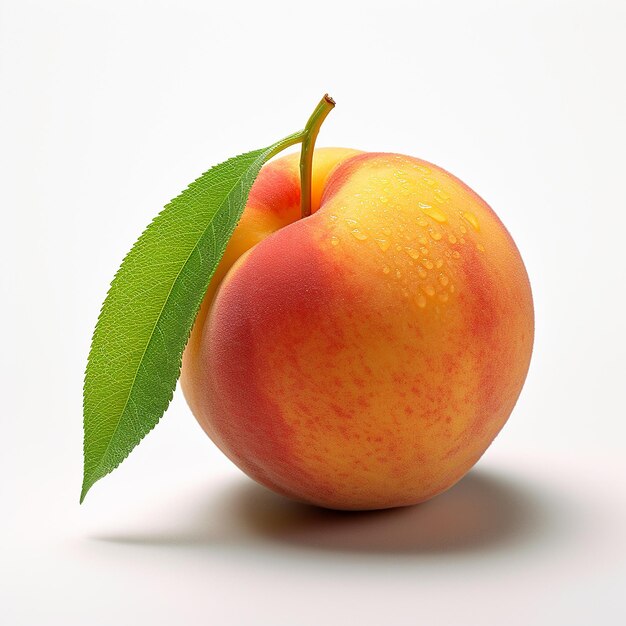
point(366, 356)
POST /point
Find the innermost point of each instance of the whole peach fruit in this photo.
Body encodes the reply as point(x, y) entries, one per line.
point(366, 356)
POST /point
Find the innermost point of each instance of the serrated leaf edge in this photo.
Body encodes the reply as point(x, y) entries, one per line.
point(88, 482)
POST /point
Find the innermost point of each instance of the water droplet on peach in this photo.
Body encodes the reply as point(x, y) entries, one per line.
point(357, 234)
point(471, 219)
point(440, 195)
point(435, 214)
point(383, 244)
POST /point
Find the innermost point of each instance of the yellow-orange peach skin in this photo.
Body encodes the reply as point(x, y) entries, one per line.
point(366, 356)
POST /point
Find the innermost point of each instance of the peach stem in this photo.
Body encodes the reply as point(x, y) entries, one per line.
point(311, 131)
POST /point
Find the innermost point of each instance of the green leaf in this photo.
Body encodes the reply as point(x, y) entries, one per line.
point(146, 319)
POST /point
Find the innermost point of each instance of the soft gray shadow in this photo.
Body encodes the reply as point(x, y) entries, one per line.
point(482, 512)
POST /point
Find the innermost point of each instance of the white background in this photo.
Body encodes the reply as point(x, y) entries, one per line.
point(109, 109)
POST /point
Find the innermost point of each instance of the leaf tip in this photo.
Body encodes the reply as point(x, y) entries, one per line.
point(85, 489)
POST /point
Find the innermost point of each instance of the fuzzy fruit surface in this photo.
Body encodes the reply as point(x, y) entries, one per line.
point(366, 356)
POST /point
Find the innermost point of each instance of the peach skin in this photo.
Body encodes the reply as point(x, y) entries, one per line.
point(366, 356)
